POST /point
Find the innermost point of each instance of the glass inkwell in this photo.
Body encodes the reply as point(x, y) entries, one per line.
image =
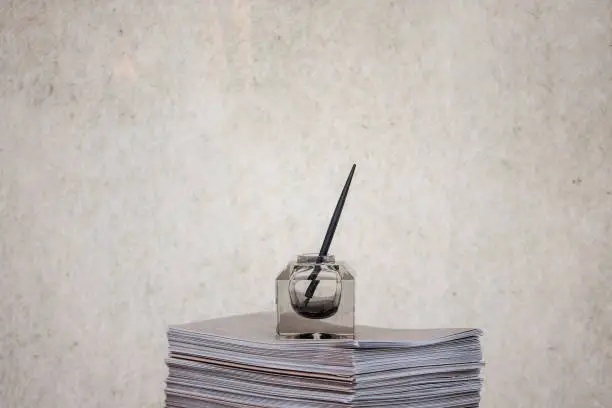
point(315, 294)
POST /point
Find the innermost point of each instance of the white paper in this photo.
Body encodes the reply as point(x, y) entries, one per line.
point(238, 361)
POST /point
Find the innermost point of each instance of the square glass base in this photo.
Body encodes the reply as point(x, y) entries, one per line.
point(315, 299)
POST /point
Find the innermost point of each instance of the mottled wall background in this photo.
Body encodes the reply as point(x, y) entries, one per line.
point(161, 161)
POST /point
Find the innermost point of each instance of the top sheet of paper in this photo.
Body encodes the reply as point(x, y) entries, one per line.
point(260, 328)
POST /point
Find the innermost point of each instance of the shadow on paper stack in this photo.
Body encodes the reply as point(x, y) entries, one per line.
point(238, 362)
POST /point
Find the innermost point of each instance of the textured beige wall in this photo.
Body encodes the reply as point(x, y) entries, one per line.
point(160, 161)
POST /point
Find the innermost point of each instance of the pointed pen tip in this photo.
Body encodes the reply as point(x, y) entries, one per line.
point(350, 176)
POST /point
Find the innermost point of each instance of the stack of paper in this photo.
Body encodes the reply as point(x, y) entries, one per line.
point(238, 362)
